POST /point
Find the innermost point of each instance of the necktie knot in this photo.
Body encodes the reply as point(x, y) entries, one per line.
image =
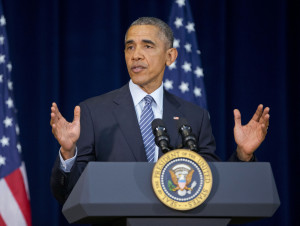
point(148, 100)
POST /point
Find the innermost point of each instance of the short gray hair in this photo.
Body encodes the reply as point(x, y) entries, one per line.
point(164, 28)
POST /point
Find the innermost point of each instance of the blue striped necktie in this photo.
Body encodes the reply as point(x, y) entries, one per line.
point(147, 117)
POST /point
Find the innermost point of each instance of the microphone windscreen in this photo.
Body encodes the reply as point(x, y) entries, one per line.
point(181, 122)
point(156, 123)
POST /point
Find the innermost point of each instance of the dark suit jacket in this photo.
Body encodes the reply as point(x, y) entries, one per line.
point(110, 132)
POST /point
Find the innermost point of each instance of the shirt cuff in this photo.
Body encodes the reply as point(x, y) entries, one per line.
point(66, 165)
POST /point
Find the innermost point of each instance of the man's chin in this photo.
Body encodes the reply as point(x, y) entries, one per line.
point(139, 83)
point(137, 80)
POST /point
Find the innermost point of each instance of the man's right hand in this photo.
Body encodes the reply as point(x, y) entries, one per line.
point(66, 133)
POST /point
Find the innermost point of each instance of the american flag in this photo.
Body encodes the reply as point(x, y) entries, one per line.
point(184, 77)
point(14, 195)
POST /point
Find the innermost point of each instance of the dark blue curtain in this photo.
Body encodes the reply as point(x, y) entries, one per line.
point(67, 51)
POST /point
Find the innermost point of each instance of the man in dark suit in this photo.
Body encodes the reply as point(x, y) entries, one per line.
point(108, 127)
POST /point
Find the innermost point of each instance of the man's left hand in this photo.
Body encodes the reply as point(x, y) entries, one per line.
point(249, 137)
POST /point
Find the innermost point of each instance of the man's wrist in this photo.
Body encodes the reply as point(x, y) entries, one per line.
point(67, 154)
point(67, 164)
point(243, 156)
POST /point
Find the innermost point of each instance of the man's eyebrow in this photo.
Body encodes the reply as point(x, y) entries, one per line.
point(129, 42)
point(144, 40)
point(148, 41)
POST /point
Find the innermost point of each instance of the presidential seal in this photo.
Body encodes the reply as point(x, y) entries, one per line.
point(182, 179)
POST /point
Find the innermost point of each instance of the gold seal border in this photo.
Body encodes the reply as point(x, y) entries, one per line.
point(207, 179)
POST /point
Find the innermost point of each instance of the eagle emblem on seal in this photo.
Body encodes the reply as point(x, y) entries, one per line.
point(181, 176)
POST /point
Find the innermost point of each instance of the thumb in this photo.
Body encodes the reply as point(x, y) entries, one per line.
point(237, 117)
point(76, 114)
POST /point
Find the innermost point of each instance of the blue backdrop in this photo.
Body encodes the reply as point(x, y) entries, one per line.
point(67, 51)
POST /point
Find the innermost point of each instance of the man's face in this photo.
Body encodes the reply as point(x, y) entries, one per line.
point(146, 56)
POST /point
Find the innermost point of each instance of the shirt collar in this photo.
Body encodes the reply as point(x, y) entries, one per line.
point(138, 94)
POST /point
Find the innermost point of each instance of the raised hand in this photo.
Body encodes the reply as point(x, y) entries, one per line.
point(249, 137)
point(66, 133)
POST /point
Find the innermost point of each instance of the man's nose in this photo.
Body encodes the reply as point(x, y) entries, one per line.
point(137, 54)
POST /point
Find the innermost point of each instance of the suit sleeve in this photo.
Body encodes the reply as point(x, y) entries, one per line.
point(61, 182)
point(234, 158)
point(206, 140)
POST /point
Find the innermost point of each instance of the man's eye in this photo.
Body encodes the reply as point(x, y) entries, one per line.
point(129, 47)
point(148, 46)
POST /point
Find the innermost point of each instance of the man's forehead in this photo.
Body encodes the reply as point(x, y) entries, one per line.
point(143, 32)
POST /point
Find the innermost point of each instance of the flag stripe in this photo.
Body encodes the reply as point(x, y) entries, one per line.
point(24, 174)
point(2, 223)
point(17, 187)
point(10, 212)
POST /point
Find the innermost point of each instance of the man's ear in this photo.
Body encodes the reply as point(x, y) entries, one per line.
point(171, 56)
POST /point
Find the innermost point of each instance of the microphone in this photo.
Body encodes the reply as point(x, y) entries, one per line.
point(188, 139)
point(162, 138)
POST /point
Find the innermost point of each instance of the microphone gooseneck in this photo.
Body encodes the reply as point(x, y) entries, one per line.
point(162, 138)
point(188, 138)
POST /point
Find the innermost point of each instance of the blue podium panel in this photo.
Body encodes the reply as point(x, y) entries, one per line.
point(241, 192)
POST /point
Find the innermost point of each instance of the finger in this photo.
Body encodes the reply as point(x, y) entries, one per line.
point(53, 107)
point(265, 120)
point(52, 118)
point(264, 130)
point(54, 130)
point(55, 110)
point(53, 115)
point(76, 114)
point(265, 117)
point(258, 113)
point(237, 117)
point(265, 112)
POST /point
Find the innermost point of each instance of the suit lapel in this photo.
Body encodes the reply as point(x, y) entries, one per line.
point(126, 116)
point(171, 109)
